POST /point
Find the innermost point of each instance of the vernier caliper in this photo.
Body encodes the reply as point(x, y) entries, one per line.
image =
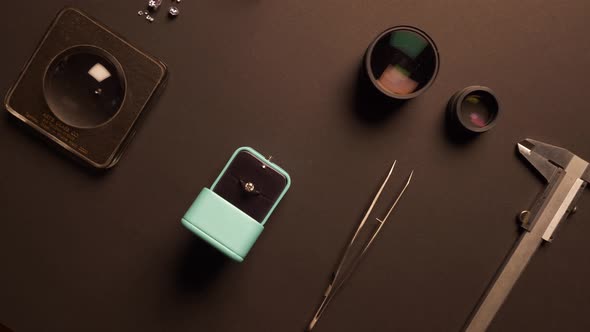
point(566, 175)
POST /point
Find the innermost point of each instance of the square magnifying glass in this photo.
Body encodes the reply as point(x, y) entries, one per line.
point(85, 88)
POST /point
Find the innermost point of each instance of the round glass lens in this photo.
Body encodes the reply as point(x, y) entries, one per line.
point(84, 87)
point(403, 61)
point(478, 109)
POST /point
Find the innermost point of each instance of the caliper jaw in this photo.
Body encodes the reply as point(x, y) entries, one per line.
point(529, 151)
point(552, 162)
point(547, 152)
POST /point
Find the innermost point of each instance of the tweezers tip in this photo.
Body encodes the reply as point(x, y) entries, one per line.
point(393, 165)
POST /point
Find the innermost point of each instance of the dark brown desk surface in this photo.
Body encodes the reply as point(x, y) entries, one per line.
point(86, 253)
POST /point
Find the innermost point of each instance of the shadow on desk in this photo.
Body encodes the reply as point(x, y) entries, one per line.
point(371, 106)
point(4, 328)
point(199, 265)
point(456, 135)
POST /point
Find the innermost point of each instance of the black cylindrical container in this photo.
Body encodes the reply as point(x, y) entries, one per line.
point(474, 109)
point(402, 62)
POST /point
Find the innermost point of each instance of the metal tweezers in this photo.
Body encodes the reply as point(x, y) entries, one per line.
point(340, 276)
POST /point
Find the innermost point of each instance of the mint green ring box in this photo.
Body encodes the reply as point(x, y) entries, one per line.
point(223, 225)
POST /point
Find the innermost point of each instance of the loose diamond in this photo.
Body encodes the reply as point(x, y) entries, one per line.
point(149, 18)
point(154, 4)
point(140, 13)
point(174, 11)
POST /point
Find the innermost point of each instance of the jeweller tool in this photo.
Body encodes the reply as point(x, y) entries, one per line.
point(341, 275)
point(567, 176)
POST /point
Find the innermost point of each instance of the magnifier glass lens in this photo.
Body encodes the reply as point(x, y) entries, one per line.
point(478, 109)
point(403, 61)
point(84, 87)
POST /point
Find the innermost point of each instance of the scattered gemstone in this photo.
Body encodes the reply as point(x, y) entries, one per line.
point(174, 11)
point(140, 13)
point(154, 4)
point(149, 18)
